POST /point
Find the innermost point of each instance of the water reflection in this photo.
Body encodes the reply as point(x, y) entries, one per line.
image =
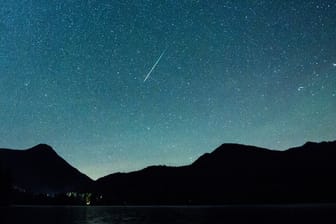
point(106, 215)
point(169, 215)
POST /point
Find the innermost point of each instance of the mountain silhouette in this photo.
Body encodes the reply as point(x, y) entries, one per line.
point(41, 170)
point(232, 173)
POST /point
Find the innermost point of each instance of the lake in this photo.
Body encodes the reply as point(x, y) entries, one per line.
point(169, 214)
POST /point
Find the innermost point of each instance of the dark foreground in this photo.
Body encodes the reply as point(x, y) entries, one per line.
point(169, 215)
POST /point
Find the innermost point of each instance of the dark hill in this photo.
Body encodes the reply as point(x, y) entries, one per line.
point(232, 173)
point(41, 170)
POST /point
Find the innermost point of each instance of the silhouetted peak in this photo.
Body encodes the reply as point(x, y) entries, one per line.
point(228, 152)
point(314, 146)
point(231, 148)
point(42, 148)
point(324, 143)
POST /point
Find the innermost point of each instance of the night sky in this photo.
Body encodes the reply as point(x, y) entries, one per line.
point(253, 72)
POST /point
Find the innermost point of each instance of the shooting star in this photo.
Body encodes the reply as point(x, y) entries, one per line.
point(155, 64)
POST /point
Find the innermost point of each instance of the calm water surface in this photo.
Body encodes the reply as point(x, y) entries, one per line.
point(159, 215)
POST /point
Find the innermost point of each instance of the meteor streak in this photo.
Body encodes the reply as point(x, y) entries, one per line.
point(155, 64)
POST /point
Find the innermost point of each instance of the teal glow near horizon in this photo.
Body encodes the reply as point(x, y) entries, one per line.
point(252, 72)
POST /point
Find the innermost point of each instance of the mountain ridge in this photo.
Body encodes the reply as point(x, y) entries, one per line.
point(230, 174)
point(40, 169)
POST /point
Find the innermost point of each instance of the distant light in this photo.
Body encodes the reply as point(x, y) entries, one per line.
point(334, 64)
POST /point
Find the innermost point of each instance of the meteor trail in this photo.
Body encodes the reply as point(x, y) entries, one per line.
point(155, 64)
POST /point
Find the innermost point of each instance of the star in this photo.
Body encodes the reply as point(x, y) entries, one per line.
point(300, 88)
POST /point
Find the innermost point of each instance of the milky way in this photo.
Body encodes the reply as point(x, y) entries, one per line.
point(251, 72)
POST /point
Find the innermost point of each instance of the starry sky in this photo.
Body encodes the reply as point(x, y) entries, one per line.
point(72, 75)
